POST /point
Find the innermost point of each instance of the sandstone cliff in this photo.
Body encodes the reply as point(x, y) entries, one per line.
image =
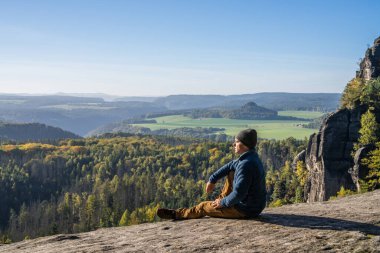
point(329, 154)
point(350, 224)
point(370, 64)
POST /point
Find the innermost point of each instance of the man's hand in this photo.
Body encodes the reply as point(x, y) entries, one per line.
point(216, 204)
point(210, 187)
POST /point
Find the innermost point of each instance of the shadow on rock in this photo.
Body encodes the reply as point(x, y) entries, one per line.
point(315, 222)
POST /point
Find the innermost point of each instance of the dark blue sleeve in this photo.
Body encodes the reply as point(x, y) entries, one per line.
point(222, 172)
point(243, 179)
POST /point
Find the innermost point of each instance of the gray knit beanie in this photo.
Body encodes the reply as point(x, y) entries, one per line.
point(248, 137)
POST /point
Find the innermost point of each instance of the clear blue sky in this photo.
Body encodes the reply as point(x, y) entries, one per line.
point(162, 47)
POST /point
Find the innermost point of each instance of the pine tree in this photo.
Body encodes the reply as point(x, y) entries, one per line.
point(369, 129)
point(351, 94)
point(373, 163)
point(124, 221)
point(302, 173)
point(371, 93)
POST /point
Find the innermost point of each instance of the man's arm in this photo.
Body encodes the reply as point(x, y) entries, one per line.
point(220, 173)
point(243, 175)
point(210, 187)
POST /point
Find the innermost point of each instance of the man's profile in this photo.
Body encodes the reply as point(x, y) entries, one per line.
point(244, 192)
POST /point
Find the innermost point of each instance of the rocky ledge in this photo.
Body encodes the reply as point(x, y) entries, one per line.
point(350, 224)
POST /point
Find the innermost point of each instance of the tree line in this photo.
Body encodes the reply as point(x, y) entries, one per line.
point(79, 185)
point(366, 94)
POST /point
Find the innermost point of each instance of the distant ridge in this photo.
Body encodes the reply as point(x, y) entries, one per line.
point(76, 114)
point(81, 115)
point(32, 132)
point(271, 100)
point(249, 111)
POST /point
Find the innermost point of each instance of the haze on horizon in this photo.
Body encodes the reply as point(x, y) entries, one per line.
point(158, 48)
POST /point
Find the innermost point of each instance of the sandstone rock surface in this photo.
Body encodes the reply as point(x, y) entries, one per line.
point(350, 224)
point(328, 156)
point(360, 171)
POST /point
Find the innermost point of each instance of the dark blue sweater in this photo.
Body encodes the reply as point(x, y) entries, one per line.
point(249, 192)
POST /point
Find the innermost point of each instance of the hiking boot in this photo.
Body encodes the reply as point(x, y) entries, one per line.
point(164, 213)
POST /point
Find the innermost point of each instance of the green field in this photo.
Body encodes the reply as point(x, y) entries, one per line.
point(301, 114)
point(268, 129)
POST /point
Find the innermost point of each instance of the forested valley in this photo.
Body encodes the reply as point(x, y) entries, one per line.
point(79, 185)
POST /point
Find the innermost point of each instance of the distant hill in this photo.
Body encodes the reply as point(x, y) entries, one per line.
point(126, 127)
point(135, 98)
point(249, 111)
point(32, 132)
point(272, 100)
point(81, 115)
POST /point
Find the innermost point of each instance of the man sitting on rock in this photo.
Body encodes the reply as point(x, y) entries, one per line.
point(243, 194)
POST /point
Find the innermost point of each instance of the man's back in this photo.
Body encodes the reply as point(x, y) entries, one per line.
point(254, 201)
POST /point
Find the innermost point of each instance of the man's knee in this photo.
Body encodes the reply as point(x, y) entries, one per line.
point(204, 204)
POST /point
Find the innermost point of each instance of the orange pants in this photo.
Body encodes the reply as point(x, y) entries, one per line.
point(206, 208)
